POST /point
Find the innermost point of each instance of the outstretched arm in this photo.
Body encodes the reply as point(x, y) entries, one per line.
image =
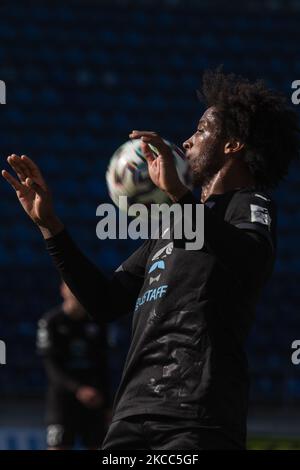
point(104, 299)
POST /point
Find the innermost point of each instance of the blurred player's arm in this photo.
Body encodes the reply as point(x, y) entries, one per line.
point(101, 380)
point(58, 377)
point(102, 373)
point(47, 349)
point(104, 299)
point(89, 396)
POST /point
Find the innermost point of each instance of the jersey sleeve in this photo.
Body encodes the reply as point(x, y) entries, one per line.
point(129, 276)
point(105, 299)
point(247, 251)
point(255, 212)
point(136, 263)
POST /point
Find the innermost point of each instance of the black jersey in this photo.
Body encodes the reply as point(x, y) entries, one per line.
point(75, 354)
point(192, 311)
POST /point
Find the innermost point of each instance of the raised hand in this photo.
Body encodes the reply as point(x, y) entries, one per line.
point(32, 192)
point(162, 168)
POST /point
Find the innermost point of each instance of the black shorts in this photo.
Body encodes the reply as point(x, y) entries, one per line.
point(156, 432)
point(87, 425)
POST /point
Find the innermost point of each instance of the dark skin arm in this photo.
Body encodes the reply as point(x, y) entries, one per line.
point(82, 276)
point(34, 194)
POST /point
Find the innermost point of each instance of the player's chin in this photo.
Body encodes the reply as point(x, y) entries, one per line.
point(196, 174)
point(197, 182)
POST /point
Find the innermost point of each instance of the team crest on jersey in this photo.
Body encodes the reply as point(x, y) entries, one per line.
point(157, 265)
point(164, 252)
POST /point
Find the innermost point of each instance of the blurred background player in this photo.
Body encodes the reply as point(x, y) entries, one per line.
point(186, 368)
point(74, 105)
point(74, 349)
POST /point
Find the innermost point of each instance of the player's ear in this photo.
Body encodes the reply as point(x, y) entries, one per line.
point(233, 146)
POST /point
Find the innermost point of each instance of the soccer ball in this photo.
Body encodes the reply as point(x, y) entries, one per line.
point(127, 175)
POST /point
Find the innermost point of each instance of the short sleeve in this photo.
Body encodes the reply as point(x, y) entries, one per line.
point(254, 211)
point(130, 274)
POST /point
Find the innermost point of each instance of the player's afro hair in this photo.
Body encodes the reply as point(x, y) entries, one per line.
point(260, 118)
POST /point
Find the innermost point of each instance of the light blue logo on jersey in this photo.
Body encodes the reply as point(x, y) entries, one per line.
point(151, 294)
point(157, 265)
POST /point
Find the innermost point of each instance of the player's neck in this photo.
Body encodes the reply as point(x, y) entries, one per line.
point(232, 176)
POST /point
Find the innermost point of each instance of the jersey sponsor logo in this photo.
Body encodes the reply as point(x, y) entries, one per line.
point(164, 252)
point(157, 265)
point(154, 279)
point(150, 295)
point(153, 294)
point(260, 214)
